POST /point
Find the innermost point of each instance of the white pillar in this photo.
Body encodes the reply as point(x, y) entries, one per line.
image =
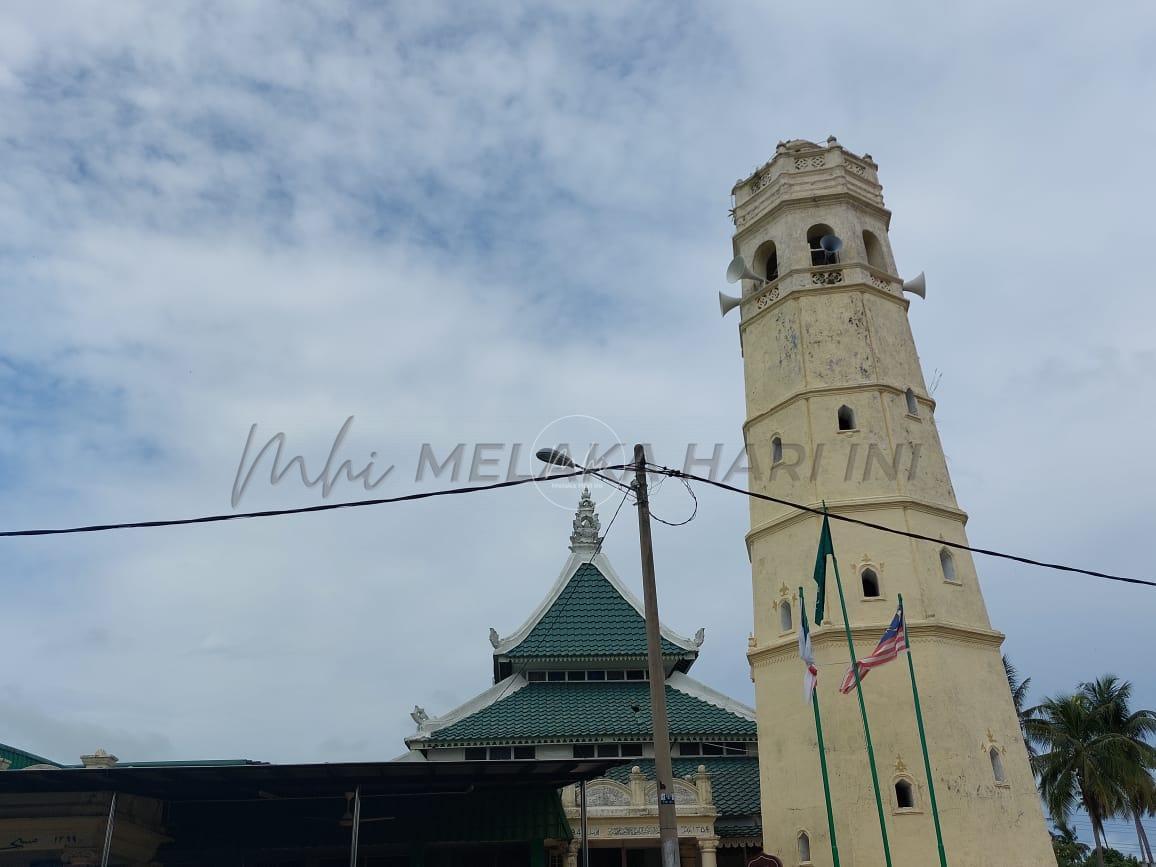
point(708, 846)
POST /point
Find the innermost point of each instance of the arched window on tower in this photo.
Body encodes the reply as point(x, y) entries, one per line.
point(997, 765)
point(870, 581)
point(846, 417)
point(785, 624)
point(766, 261)
point(904, 795)
point(804, 847)
point(947, 564)
point(776, 450)
point(912, 403)
point(874, 248)
point(819, 256)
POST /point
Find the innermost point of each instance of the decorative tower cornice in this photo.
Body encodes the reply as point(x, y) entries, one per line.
point(585, 539)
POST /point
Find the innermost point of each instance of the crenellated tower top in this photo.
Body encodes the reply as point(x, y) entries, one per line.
point(801, 169)
point(784, 210)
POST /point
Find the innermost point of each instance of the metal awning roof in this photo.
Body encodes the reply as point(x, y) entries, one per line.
point(259, 782)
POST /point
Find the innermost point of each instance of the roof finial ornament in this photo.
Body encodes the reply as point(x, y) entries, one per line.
point(700, 636)
point(495, 640)
point(419, 715)
point(584, 540)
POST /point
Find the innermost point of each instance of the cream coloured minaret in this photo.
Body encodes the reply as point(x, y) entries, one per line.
point(838, 411)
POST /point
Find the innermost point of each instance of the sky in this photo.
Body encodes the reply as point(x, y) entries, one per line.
point(462, 223)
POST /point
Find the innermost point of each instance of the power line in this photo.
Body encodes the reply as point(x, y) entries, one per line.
point(986, 551)
point(325, 507)
point(667, 471)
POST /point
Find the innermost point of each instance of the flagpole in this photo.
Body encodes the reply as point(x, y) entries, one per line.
point(923, 741)
point(822, 748)
point(862, 704)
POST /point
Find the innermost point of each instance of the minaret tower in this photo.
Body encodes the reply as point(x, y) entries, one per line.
point(838, 411)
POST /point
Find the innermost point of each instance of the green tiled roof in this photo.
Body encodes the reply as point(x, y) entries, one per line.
point(734, 782)
point(589, 619)
point(544, 711)
point(22, 759)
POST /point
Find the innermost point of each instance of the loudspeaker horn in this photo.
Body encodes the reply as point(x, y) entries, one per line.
point(831, 243)
point(917, 286)
point(727, 303)
point(738, 270)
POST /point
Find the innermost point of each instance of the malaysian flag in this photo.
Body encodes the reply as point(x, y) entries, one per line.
point(894, 641)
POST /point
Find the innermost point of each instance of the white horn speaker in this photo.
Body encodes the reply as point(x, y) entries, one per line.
point(917, 286)
point(727, 303)
point(738, 270)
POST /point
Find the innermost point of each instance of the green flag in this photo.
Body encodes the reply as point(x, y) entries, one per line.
point(826, 549)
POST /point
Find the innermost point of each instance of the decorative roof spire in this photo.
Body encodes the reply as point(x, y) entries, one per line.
point(584, 540)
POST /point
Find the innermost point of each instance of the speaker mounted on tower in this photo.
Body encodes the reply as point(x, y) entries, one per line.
point(738, 270)
point(917, 286)
point(727, 303)
point(831, 245)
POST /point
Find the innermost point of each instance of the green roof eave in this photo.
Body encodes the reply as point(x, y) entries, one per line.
point(583, 712)
point(22, 758)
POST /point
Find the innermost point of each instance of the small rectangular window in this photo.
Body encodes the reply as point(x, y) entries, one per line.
point(690, 749)
point(535, 676)
point(583, 751)
point(608, 751)
point(475, 754)
point(525, 752)
point(635, 674)
point(499, 753)
point(575, 675)
point(596, 675)
point(555, 676)
point(616, 674)
point(631, 750)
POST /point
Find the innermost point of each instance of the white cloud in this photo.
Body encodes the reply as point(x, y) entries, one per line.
point(458, 226)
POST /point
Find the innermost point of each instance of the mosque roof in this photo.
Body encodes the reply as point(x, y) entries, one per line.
point(519, 711)
point(588, 614)
point(22, 759)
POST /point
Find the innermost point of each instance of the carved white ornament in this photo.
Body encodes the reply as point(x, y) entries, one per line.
point(607, 795)
point(584, 539)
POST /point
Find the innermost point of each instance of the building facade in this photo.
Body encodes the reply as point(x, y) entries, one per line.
point(571, 682)
point(838, 412)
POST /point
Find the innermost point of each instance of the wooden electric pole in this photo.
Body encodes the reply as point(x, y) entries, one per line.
point(664, 774)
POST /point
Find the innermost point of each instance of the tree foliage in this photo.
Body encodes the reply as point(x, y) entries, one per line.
point(1091, 750)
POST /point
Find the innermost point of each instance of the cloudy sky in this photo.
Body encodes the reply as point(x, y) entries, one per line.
point(458, 224)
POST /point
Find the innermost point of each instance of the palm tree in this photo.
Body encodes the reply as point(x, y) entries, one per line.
point(1076, 762)
point(1019, 693)
point(1112, 698)
point(1070, 852)
point(1092, 750)
point(1142, 802)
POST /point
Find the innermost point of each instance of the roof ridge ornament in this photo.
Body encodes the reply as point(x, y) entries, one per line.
point(584, 540)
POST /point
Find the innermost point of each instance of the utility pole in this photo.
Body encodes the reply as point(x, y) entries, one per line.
point(664, 774)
